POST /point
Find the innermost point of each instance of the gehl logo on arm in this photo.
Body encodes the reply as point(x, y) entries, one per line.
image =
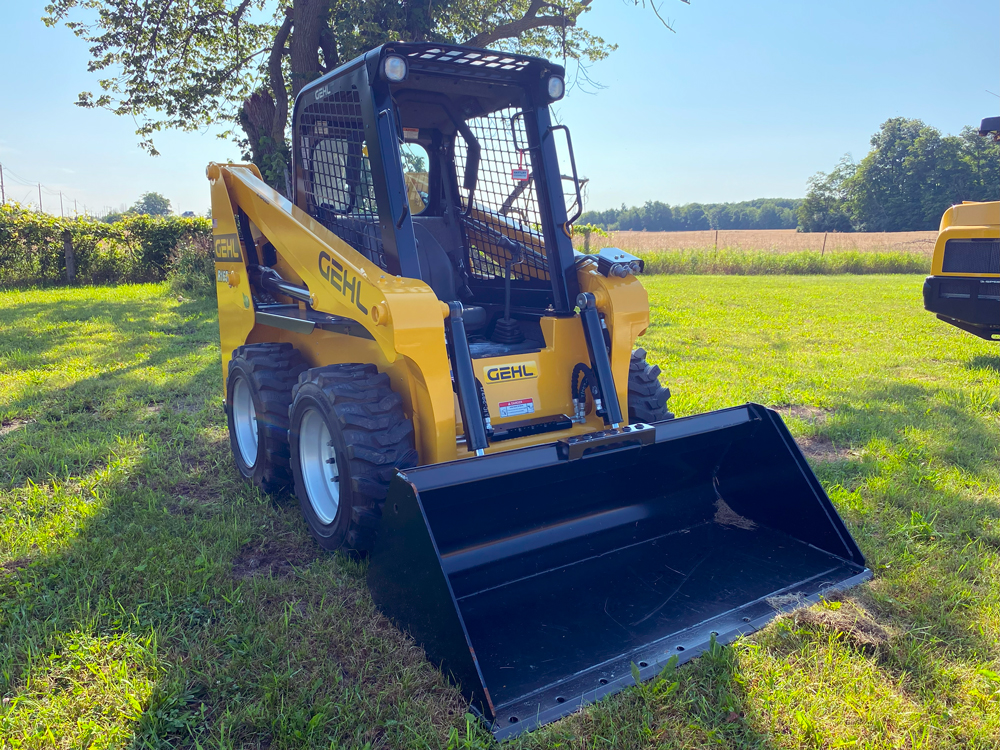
point(341, 280)
point(227, 248)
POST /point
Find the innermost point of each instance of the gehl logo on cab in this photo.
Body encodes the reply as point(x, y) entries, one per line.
point(515, 371)
point(341, 280)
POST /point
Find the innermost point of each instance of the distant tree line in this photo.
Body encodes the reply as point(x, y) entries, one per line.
point(762, 213)
point(907, 180)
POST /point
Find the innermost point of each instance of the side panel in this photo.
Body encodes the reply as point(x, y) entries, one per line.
point(403, 316)
point(236, 315)
point(625, 308)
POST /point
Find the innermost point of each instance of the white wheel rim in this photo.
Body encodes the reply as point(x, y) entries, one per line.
point(318, 463)
point(245, 422)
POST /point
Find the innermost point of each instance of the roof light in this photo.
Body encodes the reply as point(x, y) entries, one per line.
point(394, 68)
point(556, 88)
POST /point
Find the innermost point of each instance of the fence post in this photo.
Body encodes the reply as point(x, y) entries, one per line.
point(824, 245)
point(67, 239)
point(716, 240)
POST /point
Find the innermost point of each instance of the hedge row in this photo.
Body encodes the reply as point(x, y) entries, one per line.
point(134, 249)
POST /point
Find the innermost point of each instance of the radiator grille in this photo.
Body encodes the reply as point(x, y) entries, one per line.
point(971, 256)
point(505, 198)
point(338, 175)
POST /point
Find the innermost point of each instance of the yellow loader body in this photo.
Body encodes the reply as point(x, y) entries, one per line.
point(412, 345)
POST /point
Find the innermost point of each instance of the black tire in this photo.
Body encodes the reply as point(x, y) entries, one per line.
point(647, 399)
point(369, 437)
point(269, 371)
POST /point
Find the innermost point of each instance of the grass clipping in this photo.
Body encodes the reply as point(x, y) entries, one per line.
point(846, 619)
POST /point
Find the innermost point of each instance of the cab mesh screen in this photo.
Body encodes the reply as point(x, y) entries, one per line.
point(338, 183)
point(505, 199)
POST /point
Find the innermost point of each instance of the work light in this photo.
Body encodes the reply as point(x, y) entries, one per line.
point(556, 88)
point(394, 68)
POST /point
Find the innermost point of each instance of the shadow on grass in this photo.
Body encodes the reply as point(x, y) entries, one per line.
point(151, 597)
point(984, 362)
point(927, 535)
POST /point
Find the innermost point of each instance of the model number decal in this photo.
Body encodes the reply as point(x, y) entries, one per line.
point(515, 371)
point(341, 280)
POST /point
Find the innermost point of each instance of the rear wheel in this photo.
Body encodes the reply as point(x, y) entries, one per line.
point(258, 392)
point(348, 435)
point(647, 399)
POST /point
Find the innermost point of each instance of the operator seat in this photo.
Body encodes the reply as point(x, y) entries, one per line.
point(439, 268)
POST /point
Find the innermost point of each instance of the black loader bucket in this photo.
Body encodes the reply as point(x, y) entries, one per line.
point(538, 577)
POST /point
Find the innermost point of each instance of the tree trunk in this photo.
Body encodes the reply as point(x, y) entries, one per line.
point(309, 18)
point(271, 156)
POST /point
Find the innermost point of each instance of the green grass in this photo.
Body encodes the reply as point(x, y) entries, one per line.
point(150, 599)
point(736, 262)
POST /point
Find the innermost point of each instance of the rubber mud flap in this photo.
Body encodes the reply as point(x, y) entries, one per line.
point(536, 578)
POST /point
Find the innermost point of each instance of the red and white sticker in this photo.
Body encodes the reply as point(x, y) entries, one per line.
point(411, 134)
point(520, 175)
point(517, 408)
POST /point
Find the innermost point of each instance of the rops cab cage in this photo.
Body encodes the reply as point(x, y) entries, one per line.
point(481, 122)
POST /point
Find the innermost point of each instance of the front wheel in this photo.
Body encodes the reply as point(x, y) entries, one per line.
point(258, 392)
point(647, 399)
point(348, 435)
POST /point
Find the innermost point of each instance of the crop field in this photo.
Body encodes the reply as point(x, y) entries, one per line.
point(771, 240)
point(149, 599)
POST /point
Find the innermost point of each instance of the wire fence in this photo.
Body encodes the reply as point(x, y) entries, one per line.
point(32, 194)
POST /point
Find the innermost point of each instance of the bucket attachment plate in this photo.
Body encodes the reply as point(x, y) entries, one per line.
point(538, 577)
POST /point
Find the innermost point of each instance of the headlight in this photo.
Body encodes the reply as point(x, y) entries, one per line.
point(556, 88)
point(394, 68)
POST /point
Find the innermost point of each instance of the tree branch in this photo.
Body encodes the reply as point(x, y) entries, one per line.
point(530, 20)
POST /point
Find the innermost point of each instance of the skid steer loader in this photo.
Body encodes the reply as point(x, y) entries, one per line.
point(412, 344)
point(964, 286)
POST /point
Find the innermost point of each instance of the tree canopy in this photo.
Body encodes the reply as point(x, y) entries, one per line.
point(187, 65)
point(907, 180)
point(762, 213)
point(151, 204)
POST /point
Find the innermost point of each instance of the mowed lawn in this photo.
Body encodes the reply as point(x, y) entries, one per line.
point(150, 599)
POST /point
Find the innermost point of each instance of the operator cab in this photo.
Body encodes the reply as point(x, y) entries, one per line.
point(440, 163)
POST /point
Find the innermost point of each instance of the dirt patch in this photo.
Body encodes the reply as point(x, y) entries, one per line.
point(847, 618)
point(726, 516)
point(821, 449)
point(8, 426)
point(187, 406)
point(176, 509)
point(270, 558)
point(12, 566)
point(813, 414)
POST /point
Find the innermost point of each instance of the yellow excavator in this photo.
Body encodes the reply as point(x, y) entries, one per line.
point(411, 344)
point(964, 286)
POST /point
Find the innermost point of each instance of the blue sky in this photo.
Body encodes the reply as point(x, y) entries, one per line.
point(746, 100)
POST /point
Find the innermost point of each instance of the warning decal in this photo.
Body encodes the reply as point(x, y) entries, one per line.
point(411, 134)
point(517, 408)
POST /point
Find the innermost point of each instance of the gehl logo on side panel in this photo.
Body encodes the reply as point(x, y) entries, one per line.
point(515, 371)
point(341, 280)
point(227, 248)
